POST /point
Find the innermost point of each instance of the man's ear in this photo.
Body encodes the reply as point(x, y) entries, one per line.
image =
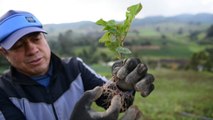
point(2, 51)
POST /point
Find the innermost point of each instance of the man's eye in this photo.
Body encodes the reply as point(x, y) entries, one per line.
point(36, 38)
point(17, 45)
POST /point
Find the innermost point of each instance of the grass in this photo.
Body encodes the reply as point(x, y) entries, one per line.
point(178, 95)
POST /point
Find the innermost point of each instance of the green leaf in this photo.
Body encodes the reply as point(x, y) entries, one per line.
point(123, 50)
point(112, 45)
point(134, 9)
point(116, 32)
point(105, 37)
point(101, 22)
point(111, 26)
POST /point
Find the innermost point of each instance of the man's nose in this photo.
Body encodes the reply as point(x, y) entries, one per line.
point(30, 47)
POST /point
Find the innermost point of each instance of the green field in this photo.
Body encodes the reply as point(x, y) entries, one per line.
point(178, 95)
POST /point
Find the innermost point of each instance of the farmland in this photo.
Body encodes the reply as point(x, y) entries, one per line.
point(178, 95)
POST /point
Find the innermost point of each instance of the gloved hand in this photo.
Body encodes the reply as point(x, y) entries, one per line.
point(83, 111)
point(128, 76)
point(131, 74)
point(132, 113)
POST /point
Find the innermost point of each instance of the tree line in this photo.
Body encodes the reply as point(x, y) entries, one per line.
point(86, 46)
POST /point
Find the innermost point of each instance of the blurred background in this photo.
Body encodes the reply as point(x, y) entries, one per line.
point(174, 38)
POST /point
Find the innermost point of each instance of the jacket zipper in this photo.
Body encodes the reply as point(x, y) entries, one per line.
point(56, 117)
point(54, 111)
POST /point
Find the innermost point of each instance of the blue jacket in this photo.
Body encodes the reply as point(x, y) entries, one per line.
point(70, 79)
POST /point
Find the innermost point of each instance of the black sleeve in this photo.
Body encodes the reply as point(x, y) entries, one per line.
point(90, 78)
point(8, 109)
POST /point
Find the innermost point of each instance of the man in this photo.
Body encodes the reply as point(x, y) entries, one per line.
point(44, 87)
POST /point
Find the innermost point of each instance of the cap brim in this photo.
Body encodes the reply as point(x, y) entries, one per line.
point(14, 37)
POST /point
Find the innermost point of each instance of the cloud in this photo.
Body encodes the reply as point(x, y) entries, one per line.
point(60, 11)
point(174, 7)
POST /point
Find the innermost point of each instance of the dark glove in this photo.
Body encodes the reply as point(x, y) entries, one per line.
point(132, 113)
point(83, 111)
point(131, 74)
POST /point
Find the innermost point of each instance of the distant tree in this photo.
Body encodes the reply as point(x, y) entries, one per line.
point(194, 35)
point(202, 60)
point(136, 32)
point(164, 40)
point(209, 33)
point(66, 43)
point(55, 46)
point(88, 54)
point(105, 57)
point(158, 29)
point(85, 55)
point(208, 39)
point(209, 63)
point(180, 31)
point(146, 42)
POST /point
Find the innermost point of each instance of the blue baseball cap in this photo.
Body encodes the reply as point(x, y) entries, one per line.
point(16, 24)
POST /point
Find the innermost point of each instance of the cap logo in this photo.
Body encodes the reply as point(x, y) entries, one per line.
point(30, 19)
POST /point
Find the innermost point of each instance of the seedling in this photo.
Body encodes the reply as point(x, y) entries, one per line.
point(115, 34)
point(113, 39)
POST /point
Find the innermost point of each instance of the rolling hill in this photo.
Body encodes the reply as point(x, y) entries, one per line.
point(88, 26)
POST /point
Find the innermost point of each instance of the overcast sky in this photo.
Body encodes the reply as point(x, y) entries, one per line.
point(65, 11)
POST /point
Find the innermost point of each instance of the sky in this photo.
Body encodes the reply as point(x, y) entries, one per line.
point(67, 11)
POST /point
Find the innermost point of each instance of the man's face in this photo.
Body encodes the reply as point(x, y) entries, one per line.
point(30, 55)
